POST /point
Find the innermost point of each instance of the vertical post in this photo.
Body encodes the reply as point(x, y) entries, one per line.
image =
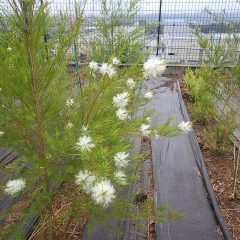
point(159, 25)
point(76, 56)
point(75, 50)
point(45, 37)
point(222, 26)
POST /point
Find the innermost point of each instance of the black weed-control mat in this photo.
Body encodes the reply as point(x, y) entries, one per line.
point(180, 176)
point(6, 157)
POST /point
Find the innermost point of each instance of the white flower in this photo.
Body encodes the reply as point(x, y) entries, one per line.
point(103, 192)
point(122, 114)
point(9, 49)
point(156, 135)
point(115, 61)
point(15, 186)
point(69, 102)
point(107, 69)
point(85, 143)
point(1, 133)
point(85, 179)
point(121, 100)
point(185, 126)
point(111, 72)
point(104, 69)
point(145, 130)
point(85, 128)
point(148, 95)
point(93, 66)
point(0, 89)
point(153, 67)
point(130, 83)
point(148, 119)
point(120, 159)
point(69, 125)
point(120, 177)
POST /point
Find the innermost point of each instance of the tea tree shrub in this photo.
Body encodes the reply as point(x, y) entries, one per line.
point(214, 88)
point(72, 143)
point(203, 99)
point(118, 33)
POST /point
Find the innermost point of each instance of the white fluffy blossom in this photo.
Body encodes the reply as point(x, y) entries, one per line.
point(93, 66)
point(120, 177)
point(122, 114)
point(103, 192)
point(148, 119)
point(121, 100)
point(85, 128)
point(107, 69)
point(15, 186)
point(153, 67)
point(69, 102)
point(9, 49)
point(145, 130)
point(120, 159)
point(130, 83)
point(148, 95)
point(1, 133)
point(185, 126)
point(69, 125)
point(85, 179)
point(156, 134)
point(93, 74)
point(85, 143)
point(116, 61)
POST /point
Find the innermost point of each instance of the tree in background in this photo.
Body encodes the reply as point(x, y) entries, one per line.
point(118, 33)
point(214, 86)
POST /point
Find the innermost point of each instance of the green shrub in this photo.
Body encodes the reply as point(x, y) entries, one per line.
point(214, 88)
point(117, 35)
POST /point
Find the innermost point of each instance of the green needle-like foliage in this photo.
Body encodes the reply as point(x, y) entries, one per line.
point(214, 87)
point(118, 34)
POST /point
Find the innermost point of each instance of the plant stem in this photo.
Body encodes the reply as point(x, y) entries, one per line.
point(34, 84)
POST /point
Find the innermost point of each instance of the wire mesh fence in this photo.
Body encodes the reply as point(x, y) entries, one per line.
point(173, 39)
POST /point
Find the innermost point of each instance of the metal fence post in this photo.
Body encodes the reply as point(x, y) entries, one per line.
point(159, 25)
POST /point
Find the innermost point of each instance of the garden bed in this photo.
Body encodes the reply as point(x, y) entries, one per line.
point(220, 170)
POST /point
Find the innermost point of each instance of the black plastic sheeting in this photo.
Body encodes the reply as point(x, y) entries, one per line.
point(7, 156)
point(202, 167)
point(180, 175)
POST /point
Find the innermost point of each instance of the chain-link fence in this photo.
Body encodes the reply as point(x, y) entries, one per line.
point(173, 39)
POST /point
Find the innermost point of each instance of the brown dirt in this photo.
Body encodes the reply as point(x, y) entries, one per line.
point(16, 212)
point(220, 170)
point(146, 148)
point(64, 229)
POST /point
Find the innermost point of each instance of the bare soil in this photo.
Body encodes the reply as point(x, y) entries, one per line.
point(147, 149)
point(66, 228)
